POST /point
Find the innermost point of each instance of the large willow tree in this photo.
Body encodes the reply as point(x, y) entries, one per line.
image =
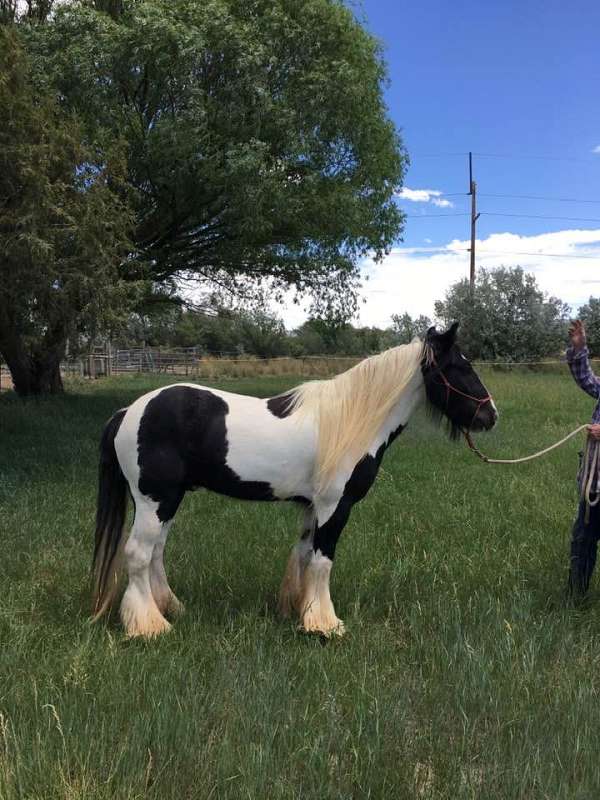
point(258, 144)
point(63, 228)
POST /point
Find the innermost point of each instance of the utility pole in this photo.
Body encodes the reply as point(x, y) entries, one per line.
point(474, 218)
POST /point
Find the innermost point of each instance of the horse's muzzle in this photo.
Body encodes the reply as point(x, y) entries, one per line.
point(485, 418)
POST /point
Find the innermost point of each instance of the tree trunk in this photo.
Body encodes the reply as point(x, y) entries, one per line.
point(34, 372)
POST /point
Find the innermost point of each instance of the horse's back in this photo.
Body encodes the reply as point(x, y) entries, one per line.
point(186, 436)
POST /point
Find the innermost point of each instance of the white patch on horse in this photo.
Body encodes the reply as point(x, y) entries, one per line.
point(140, 614)
point(263, 447)
point(163, 595)
point(126, 440)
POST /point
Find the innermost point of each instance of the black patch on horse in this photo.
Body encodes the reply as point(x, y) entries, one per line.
point(365, 472)
point(281, 405)
point(300, 500)
point(182, 445)
point(357, 486)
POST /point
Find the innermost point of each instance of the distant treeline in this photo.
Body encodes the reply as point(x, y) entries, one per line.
point(507, 317)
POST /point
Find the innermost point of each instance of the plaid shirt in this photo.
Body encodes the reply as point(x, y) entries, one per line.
point(584, 378)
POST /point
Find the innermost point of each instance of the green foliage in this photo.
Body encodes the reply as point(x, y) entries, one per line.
point(507, 317)
point(258, 142)
point(63, 229)
point(590, 316)
point(263, 333)
point(322, 336)
point(226, 331)
point(407, 328)
point(250, 330)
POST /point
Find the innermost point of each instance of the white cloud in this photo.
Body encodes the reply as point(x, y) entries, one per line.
point(433, 196)
point(442, 203)
point(413, 278)
point(596, 149)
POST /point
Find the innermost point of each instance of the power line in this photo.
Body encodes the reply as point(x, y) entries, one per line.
point(513, 197)
point(540, 216)
point(437, 155)
point(434, 196)
point(417, 251)
point(428, 216)
point(539, 158)
point(522, 253)
point(510, 156)
point(534, 197)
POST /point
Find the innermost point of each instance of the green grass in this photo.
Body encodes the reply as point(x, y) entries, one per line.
point(463, 674)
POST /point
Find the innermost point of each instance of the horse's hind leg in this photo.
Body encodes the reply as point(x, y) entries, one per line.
point(139, 611)
point(290, 594)
point(164, 597)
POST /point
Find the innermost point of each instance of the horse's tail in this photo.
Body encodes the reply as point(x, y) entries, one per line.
point(110, 519)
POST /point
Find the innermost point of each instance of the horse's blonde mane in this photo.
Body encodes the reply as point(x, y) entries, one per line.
point(351, 407)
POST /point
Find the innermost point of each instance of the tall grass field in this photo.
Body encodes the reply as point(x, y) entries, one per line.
point(464, 673)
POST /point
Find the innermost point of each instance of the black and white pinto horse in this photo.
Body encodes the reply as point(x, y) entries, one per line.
point(319, 445)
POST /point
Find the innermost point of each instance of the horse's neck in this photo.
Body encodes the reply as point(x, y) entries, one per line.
point(401, 412)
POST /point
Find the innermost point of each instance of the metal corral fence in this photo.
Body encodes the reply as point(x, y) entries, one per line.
point(191, 362)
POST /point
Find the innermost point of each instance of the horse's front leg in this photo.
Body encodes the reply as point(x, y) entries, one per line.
point(317, 614)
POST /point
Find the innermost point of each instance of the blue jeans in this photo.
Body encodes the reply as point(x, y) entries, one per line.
point(584, 543)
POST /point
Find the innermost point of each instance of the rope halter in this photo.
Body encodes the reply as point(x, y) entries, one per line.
point(480, 401)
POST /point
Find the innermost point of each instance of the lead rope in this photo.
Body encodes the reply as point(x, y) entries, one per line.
point(590, 463)
point(588, 475)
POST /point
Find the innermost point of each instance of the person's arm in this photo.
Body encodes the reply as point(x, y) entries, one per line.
point(577, 359)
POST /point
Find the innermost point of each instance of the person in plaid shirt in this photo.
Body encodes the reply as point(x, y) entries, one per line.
point(584, 540)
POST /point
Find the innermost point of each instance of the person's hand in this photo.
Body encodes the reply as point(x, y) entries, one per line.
point(594, 431)
point(577, 334)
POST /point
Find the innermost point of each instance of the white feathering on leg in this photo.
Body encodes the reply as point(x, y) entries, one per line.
point(316, 609)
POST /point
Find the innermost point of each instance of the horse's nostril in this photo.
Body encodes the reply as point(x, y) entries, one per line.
point(485, 419)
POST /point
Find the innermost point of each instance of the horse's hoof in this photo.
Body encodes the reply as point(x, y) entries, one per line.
point(329, 632)
point(144, 623)
point(175, 608)
point(149, 632)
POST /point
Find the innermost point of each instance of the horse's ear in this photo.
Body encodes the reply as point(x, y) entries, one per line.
point(431, 332)
point(448, 338)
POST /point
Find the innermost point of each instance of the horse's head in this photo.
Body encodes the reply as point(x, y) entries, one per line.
point(453, 387)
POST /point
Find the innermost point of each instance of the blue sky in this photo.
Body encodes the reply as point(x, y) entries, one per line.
point(515, 79)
